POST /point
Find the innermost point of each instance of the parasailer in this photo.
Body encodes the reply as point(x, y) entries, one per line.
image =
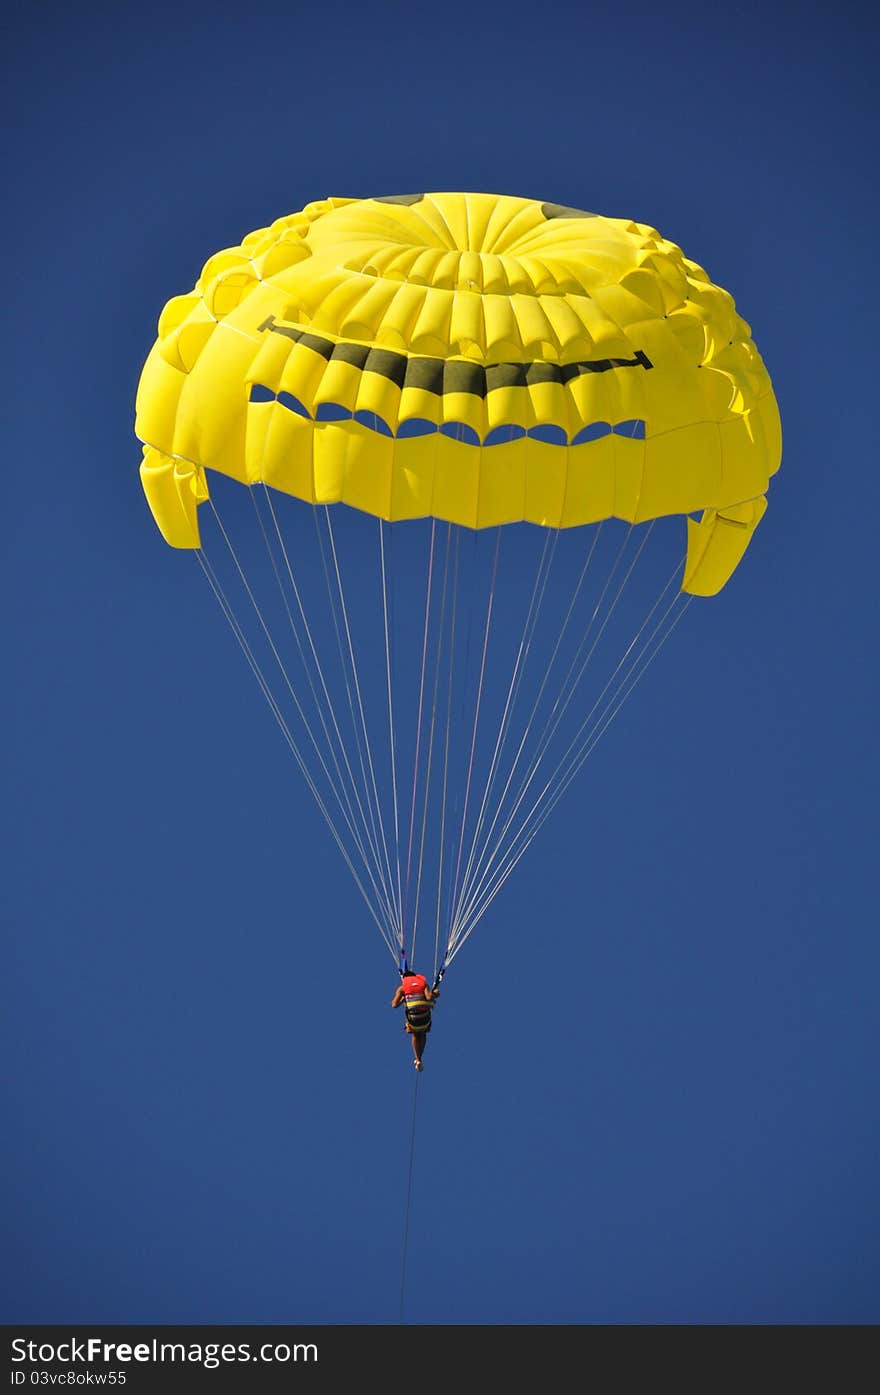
point(530, 411)
point(419, 1001)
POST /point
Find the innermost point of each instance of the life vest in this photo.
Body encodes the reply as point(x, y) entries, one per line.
point(418, 1009)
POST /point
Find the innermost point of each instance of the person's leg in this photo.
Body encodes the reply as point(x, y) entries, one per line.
point(418, 1040)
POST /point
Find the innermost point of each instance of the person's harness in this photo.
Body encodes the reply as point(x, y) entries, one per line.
point(416, 1006)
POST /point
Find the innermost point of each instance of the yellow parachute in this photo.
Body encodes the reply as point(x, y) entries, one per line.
point(472, 361)
point(474, 358)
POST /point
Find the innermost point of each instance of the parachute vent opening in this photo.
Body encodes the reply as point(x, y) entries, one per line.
point(259, 393)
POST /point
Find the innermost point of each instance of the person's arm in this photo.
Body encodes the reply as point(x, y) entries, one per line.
point(432, 994)
point(398, 997)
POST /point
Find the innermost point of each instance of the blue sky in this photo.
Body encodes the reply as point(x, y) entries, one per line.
point(194, 1136)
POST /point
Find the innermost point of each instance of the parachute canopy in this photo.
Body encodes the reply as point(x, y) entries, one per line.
point(473, 358)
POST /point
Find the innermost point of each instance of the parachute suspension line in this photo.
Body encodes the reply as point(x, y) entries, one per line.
point(623, 692)
point(357, 687)
point(391, 737)
point(627, 684)
point(442, 841)
point(558, 711)
point(551, 726)
point(536, 704)
point(598, 731)
point(394, 919)
point(374, 841)
point(323, 681)
point(622, 661)
point(467, 787)
point(601, 630)
point(409, 1184)
point(533, 613)
point(513, 854)
point(331, 747)
point(412, 810)
point(460, 715)
point(279, 661)
point(598, 727)
point(263, 684)
point(437, 665)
